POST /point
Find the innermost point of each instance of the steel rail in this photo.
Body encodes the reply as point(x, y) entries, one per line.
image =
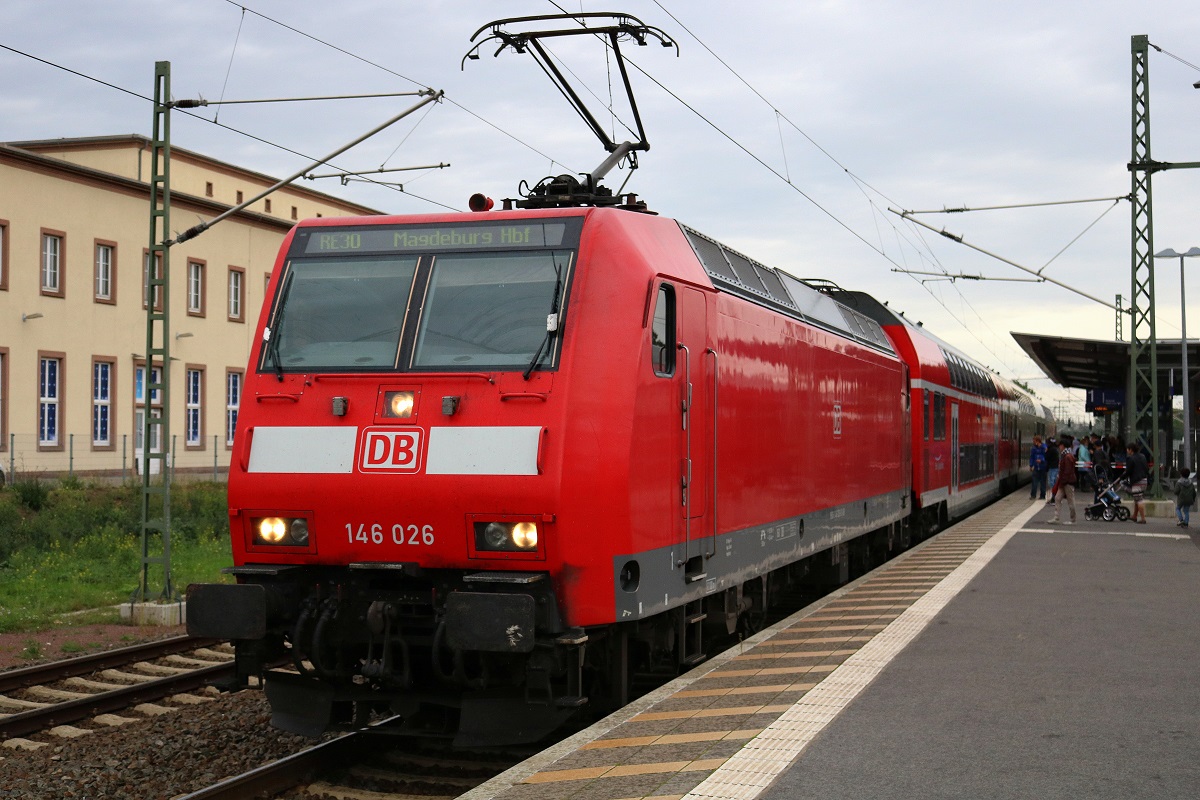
point(286, 773)
point(13, 679)
point(37, 719)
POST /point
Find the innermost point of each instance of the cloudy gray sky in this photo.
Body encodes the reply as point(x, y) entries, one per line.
point(784, 129)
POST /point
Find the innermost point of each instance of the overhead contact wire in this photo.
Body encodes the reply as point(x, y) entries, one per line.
point(229, 128)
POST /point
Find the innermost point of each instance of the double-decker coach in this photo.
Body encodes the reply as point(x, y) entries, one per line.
point(971, 429)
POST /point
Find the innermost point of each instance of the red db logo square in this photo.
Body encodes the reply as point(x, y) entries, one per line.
point(390, 450)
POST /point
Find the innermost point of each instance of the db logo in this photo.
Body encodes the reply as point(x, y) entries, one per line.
point(390, 450)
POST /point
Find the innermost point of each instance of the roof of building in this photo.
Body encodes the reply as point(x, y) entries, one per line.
point(40, 147)
point(1097, 363)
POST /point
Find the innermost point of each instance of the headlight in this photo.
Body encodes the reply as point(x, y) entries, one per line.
point(495, 536)
point(271, 530)
point(506, 536)
point(398, 404)
point(285, 531)
point(299, 531)
point(524, 535)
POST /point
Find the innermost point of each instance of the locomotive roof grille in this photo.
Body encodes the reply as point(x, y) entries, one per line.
point(739, 275)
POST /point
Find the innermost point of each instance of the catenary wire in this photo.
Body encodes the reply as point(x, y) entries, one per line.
point(854, 177)
point(392, 72)
point(229, 128)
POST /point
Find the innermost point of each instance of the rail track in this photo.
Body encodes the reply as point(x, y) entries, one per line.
point(369, 763)
point(115, 680)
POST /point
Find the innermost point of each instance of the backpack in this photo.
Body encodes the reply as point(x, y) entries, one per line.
point(1186, 492)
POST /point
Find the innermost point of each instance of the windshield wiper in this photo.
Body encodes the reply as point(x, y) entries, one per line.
point(547, 345)
point(272, 335)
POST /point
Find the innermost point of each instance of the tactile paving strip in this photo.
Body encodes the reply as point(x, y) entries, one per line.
point(726, 729)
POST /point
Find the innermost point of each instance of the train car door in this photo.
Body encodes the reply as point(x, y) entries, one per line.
point(696, 377)
point(955, 455)
point(906, 440)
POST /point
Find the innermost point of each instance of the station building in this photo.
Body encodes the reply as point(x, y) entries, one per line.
point(74, 251)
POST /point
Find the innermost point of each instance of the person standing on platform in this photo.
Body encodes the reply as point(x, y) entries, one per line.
point(1085, 477)
point(1101, 461)
point(1185, 495)
point(1037, 466)
point(1137, 474)
point(1051, 467)
point(1064, 487)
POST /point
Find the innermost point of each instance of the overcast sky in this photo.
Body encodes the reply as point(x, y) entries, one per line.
point(785, 129)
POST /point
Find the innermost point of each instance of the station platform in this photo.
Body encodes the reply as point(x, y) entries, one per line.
point(1003, 658)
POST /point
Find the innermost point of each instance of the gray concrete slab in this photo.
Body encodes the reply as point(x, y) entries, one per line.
point(1068, 668)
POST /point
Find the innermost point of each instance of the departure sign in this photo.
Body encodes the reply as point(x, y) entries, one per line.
point(420, 238)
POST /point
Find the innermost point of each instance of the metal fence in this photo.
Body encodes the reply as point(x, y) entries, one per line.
point(23, 459)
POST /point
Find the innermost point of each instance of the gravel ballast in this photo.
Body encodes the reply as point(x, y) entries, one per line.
point(155, 758)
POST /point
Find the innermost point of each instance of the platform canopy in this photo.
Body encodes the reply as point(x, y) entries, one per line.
point(1101, 364)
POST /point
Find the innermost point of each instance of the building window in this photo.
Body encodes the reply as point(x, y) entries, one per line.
point(195, 290)
point(106, 272)
point(139, 407)
point(208, 189)
point(146, 279)
point(193, 391)
point(237, 294)
point(239, 197)
point(102, 384)
point(49, 400)
point(295, 213)
point(268, 205)
point(53, 247)
point(3, 254)
point(233, 398)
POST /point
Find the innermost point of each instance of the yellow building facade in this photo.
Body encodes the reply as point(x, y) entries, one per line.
point(74, 244)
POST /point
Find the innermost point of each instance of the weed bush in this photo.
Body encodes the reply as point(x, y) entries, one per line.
point(82, 550)
point(32, 493)
point(199, 509)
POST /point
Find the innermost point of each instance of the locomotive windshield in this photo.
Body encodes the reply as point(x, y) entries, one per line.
point(460, 296)
point(489, 309)
point(341, 314)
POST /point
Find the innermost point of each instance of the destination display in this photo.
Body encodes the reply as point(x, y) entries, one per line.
point(414, 238)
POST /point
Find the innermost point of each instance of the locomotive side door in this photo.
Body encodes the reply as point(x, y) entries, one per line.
point(697, 388)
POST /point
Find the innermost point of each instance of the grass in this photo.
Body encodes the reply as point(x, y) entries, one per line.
point(82, 562)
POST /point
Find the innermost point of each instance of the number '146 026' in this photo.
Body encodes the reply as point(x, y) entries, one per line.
point(378, 533)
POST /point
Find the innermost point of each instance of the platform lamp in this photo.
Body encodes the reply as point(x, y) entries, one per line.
point(1187, 409)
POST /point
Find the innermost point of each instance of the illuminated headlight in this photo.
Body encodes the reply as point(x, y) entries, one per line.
point(506, 536)
point(280, 530)
point(524, 535)
point(398, 404)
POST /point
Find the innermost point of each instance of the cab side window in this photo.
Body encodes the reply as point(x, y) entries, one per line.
point(662, 332)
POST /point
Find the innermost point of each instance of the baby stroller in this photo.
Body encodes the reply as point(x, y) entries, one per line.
point(1107, 505)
